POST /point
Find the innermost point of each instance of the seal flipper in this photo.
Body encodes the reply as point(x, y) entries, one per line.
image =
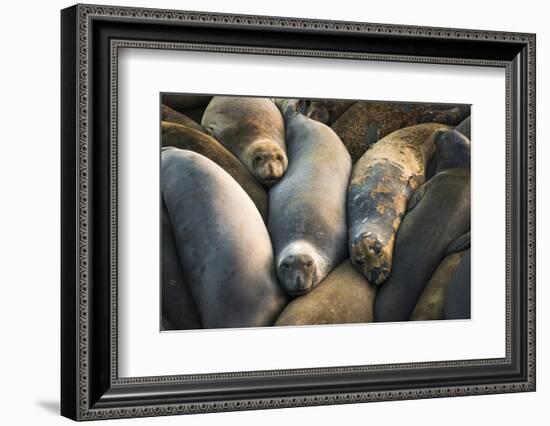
point(460, 244)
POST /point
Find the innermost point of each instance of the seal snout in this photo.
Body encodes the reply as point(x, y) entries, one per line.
point(369, 257)
point(297, 273)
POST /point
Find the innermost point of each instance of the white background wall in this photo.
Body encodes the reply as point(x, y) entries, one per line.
point(29, 212)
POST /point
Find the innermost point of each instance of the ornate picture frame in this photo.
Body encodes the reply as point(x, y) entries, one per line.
point(91, 37)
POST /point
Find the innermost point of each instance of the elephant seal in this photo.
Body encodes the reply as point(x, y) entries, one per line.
point(172, 116)
point(381, 184)
point(179, 311)
point(186, 138)
point(224, 247)
point(465, 127)
point(327, 111)
point(365, 123)
point(444, 114)
point(253, 130)
point(307, 207)
point(343, 297)
point(457, 299)
point(439, 213)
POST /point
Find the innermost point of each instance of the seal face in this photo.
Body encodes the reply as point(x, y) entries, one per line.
point(381, 184)
point(307, 220)
point(225, 250)
point(253, 130)
point(344, 297)
point(327, 111)
point(184, 137)
point(439, 213)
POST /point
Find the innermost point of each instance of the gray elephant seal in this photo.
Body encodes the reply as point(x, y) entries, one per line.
point(173, 116)
point(381, 184)
point(186, 138)
point(439, 213)
point(178, 307)
point(343, 297)
point(224, 247)
point(307, 208)
point(253, 130)
point(327, 111)
point(458, 296)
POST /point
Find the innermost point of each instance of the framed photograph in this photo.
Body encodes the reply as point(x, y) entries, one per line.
point(263, 212)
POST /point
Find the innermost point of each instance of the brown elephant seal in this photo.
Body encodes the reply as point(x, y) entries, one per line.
point(365, 123)
point(172, 116)
point(253, 130)
point(224, 247)
point(439, 213)
point(465, 127)
point(186, 138)
point(307, 207)
point(327, 111)
point(381, 184)
point(179, 311)
point(343, 297)
point(458, 295)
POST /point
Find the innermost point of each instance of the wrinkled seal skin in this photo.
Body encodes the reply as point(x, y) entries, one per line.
point(365, 123)
point(439, 213)
point(343, 297)
point(178, 307)
point(327, 111)
point(173, 116)
point(253, 130)
point(465, 127)
point(307, 208)
point(381, 184)
point(186, 138)
point(457, 299)
point(224, 247)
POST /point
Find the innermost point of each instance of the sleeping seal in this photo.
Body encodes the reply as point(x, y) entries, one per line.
point(343, 297)
point(253, 130)
point(224, 247)
point(307, 208)
point(439, 213)
point(381, 184)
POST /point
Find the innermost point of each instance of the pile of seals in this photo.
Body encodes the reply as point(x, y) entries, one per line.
point(294, 212)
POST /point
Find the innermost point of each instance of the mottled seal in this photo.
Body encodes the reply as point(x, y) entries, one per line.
point(327, 111)
point(344, 296)
point(439, 212)
point(365, 123)
point(253, 130)
point(307, 208)
point(431, 302)
point(224, 247)
point(186, 138)
point(178, 307)
point(457, 298)
point(381, 184)
point(465, 127)
point(173, 116)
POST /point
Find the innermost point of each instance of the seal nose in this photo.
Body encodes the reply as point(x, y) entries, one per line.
point(377, 276)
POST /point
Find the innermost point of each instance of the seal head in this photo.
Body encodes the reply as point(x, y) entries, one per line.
point(267, 161)
point(299, 268)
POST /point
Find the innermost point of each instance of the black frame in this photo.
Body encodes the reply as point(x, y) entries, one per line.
point(90, 38)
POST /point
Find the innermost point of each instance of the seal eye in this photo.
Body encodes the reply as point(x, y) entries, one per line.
point(257, 158)
point(309, 263)
point(285, 265)
point(279, 157)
